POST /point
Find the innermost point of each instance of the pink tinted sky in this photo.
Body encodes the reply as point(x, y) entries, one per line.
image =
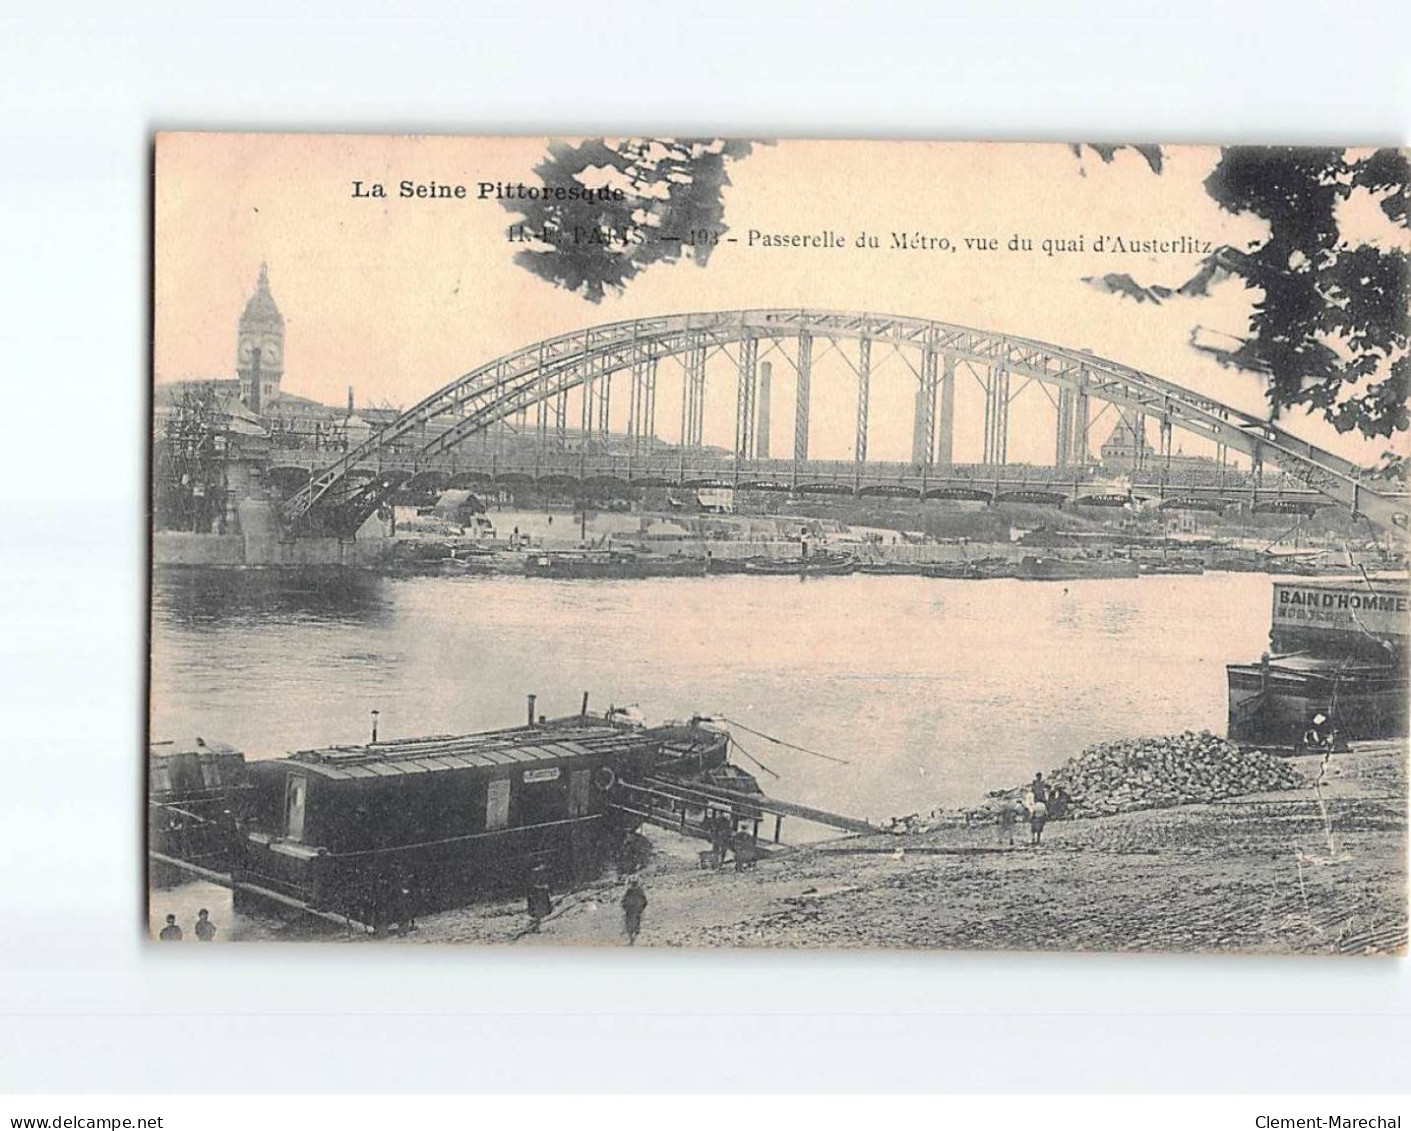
point(397, 297)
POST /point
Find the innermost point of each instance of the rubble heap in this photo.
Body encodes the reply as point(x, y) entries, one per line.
point(1154, 773)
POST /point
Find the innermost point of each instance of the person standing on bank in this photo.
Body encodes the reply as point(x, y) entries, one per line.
point(1038, 817)
point(205, 929)
point(634, 902)
point(171, 932)
point(540, 901)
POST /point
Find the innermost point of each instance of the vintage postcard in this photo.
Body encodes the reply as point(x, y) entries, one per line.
point(751, 542)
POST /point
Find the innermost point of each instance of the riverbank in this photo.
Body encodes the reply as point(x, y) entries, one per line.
point(1262, 874)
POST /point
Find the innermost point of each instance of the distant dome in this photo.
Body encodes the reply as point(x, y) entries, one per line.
point(261, 311)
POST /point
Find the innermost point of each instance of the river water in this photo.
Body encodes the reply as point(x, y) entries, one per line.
point(933, 691)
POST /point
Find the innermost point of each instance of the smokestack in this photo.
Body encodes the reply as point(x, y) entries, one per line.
point(531, 709)
point(584, 710)
point(350, 400)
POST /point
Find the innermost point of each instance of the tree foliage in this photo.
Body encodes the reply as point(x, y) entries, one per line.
point(1329, 328)
point(670, 188)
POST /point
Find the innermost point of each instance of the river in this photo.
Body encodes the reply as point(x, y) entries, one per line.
point(933, 691)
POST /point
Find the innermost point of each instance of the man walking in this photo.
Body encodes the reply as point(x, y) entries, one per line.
point(634, 902)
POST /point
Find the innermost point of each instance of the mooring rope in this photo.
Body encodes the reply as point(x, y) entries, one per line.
point(781, 742)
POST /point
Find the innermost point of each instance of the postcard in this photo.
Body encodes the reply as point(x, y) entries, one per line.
point(707, 542)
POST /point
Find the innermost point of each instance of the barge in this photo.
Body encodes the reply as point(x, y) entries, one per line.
point(376, 833)
point(611, 565)
point(1033, 568)
point(373, 835)
point(1336, 666)
point(812, 565)
point(194, 790)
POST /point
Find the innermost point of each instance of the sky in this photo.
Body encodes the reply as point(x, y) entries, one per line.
point(397, 297)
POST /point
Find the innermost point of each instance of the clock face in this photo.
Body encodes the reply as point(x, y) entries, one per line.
point(269, 354)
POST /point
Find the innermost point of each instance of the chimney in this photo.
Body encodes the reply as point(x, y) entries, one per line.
point(350, 400)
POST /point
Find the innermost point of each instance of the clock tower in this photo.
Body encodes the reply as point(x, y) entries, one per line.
point(259, 349)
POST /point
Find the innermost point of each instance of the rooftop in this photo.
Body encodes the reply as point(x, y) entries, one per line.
point(435, 753)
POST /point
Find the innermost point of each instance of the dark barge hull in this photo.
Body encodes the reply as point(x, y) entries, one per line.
point(567, 567)
point(381, 832)
point(1074, 569)
point(803, 567)
point(400, 882)
point(1277, 703)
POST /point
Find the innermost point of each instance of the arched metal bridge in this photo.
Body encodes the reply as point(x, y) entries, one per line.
point(340, 495)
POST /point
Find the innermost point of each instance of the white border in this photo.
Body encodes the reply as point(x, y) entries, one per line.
point(84, 1007)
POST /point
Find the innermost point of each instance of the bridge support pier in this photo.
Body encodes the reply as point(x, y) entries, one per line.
point(997, 416)
point(923, 437)
point(1063, 446)
point(604, 405)
point(746, 364)
point(1078, 451)
point(641, 424)
point(804, 369)
point(864, 391)
point(945, 437)
point(590, 392)
point(561, 417)
point(541, 434)
point(695, 393)
point(762, 420)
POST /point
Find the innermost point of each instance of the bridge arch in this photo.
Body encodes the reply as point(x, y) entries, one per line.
point(545, 371)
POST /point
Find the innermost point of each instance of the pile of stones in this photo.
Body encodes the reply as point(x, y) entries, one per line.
point(1154, 773)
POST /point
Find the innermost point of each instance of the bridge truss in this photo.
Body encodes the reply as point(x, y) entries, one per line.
point(539, 377)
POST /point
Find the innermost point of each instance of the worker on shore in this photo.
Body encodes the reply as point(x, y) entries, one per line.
point(171, 932)
point(540, 901)
point(1039, 788)
point(1008, 817)
point(718, 826)
point(634, 902)
point(1038, 817)
point(205, 929)
point(1320, 735)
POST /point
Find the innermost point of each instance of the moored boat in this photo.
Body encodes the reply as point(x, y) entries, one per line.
point(193, 792)
point(610, 564)
point(1033, 568)
point(716, 565)
point(1173, 566)
point(894, 569)
point(968, 571)
point(378, 832)
point(1337, 654)
point(815, 565)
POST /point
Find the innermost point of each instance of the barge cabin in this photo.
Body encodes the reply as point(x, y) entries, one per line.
point(377, 831)
point(1337, 665)
point(194, 791)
